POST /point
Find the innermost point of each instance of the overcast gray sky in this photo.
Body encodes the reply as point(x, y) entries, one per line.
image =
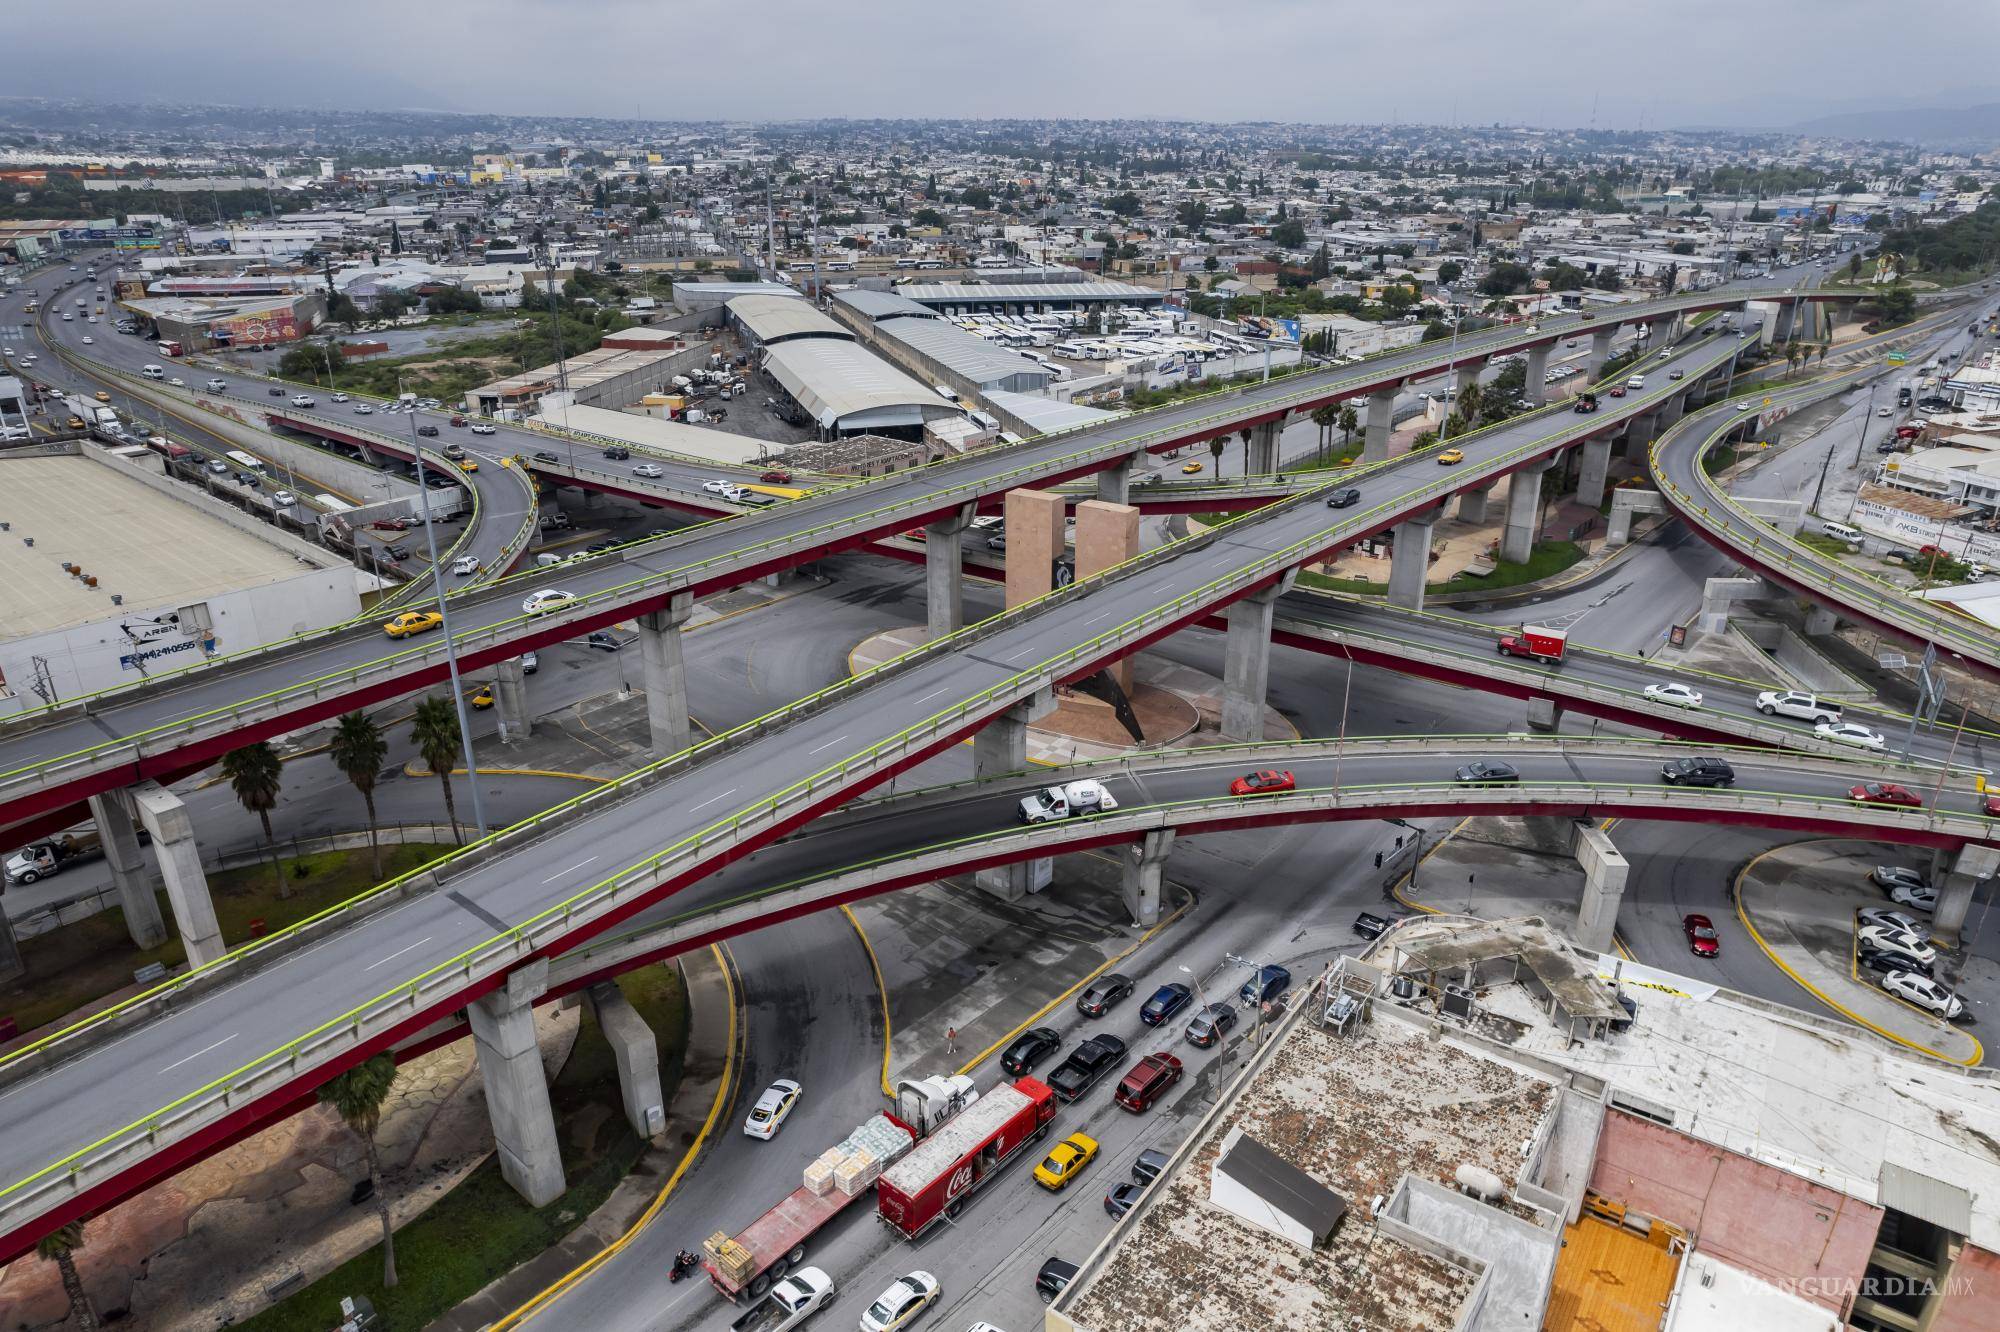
point(1770, 62)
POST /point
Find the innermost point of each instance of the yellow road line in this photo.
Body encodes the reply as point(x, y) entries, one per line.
point(1436, 847)
point(412, 769)
point(723, 1093)
point(1742, 915)
point(881, 989)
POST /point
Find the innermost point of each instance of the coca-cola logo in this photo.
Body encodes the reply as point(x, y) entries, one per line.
point(961, 1180)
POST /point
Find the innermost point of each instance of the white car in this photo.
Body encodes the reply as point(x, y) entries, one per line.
point(1916, 896)
point(548, 599)
point(1885, 412)
point(89, 341)
point(482, 428)
point(898, 1307)
point(1674, 695)
point(1924, 992)
point(363, 409)
point(303, 400)
point(648, 470)
point(1745, 406)
point(216, 385)
point(792, 1301)
point(340, 397)
point(1891, 940)
point(178, 382)
point(768, 1115)
point(718, 487)
point(284, 499)
point(465, 564)
point(1894, 920)
point(1847, 733)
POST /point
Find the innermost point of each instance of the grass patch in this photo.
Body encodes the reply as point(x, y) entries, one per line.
point(75, 964)
point(1339, 455)
point(1718, 458)
point(1545, 561)
point(1824, 544)
point(482, 1228)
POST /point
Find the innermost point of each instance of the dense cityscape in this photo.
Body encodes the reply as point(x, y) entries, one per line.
point(1109, 725)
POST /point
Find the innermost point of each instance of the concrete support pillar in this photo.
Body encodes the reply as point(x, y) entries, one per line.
point(1600, 352)
point(593, 500)
point(1410, 559)
point(1596, 463)
point(1107, 535)
point(1535, 387)
point(11, 964)
point(666, 675)
point(1524, 504)
point(166, 818)
point(1381, 420)
point(1467, 375)
point(1718, 594)
point(1263, 455)
point(1246, 670)
point(944, 573)
point(1114, 483)
point(1604, 872)
point(1962, 873)
point(1640, 432)
point(1544, 715)
point(1672, 410)
point(510, 696)
point(517, 1090)
point(1143, 869)
point(1001, 747)
point(117, 826)
point(1034, 542)
point(1472, 503)
point(1820, 622)
point(636, 1055)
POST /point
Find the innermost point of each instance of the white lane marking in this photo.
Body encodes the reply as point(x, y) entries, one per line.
point(559, 873)
point(935, 692)
point(398, 953)
point(828, 745)
point(711, 800)
point(199, 1053)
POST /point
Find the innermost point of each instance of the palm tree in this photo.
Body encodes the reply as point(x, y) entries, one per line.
point(1324, 417)
point(255, 774)
point(1350, 421)
point(357, 1096)
point(1215, 448)
point(357, 750)
point(435, 734)
point(58, 1247)
point(1246, 434)
point(1823, 348)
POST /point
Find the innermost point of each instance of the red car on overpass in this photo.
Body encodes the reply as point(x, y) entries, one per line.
point(1885, 793)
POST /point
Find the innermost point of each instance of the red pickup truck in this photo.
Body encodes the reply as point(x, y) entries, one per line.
point(1536, 644)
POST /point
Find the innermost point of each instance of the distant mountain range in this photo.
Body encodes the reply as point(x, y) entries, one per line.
point(1969, 126)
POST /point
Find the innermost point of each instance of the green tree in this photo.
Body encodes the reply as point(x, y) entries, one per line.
point(1897, 306)
point(434, 731)
point(1350, 421)
point(1211, 263)
point(1450, 271)
point(975, 197)
point(1289, 234)
point(1324, 417)
point(59, 1246)
point(1125, 205)
point(358, 749)
point(1505, 279)
point(357, 1096)
point(1820, 352)
point(1192, 214)
point(1215, 448)
point(255, 775)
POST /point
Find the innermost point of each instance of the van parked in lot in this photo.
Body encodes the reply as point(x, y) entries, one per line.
point(1842, 532)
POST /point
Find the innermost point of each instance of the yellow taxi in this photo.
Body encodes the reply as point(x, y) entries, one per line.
point(480, 697)
point(412, 622)
point(1066, 1161)
point(1450, 457)
point(102, 396)
point(468, 465)
point(1190, 469)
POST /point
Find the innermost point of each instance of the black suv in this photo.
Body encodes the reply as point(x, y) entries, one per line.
point(618, 453)
point(1697, 772)
point(1031, 1047)
point(1085, 1065)
point(1055, 1275)
point(427, 431)
point(1099, 996)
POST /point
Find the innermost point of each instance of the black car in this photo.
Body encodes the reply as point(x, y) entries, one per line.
point(1085, 1065)
point(1168, 1000)
point(604, 640)
point(544, 455)
point(1031, 1047)
point(1100, 995)
point(1266, 985)
point(599, 547)
point(1697, 772)
point(275, 392)
point(397, 553)
point(1882, 962)
point(1343, 497)
point(1210, 1025)
point(427, 431)
point(618, 453)
point(1370, 926)
point(1119, 1201)
point(1486, 772)
point(1055, 1275)
point(1152, 1163)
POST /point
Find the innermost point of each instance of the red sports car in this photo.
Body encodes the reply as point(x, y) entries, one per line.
point(1992, 806)
point(1617, 390)
point(1885, 793)
point(1266, 782)
point(776, 476)
point(1700, 935)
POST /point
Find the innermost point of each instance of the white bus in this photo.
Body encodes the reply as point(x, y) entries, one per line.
point(243, 462)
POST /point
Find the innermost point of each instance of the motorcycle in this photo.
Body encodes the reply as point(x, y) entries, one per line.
point(684, 1265)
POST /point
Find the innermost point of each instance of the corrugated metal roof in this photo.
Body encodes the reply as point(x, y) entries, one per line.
point(1928, 1199)
point(832, 380)
point(1047, 414)
point(879, 305)
point(948, 292)
point(776, 318)
point(977, 359)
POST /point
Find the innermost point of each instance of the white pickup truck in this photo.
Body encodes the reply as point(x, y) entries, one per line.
point(1790, 703)
point(1060, 802)
point(790, 1302)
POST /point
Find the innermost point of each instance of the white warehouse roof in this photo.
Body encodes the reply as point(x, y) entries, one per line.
point(983, 363)
point(845, 388)
point(780, 318)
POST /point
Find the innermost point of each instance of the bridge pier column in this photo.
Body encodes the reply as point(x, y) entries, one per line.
point(1535, 386)
point(1381, 420)
point(1604, 873)
point(1246, 668)
point(1958, 875)
point(166, 818)
point(1524, 502)
point(510, 692)
point(1410, 559)
point(1467, 375)
point(1263, 455)
point(517, 1090)
point(1107, 535)
point(1472, 503)
point(1034, 540)
point(1001, 747)
point(1596, 463)
point(1671, 411)
point(118, 829)
point(635, 1053)
point(1718, 594)
point(1640, 432)
point(944, 573)
point(1114, 483)
point(1544, 714)
point(1820, 622)
point(1141, 872)
point(666, 675)
point(1600, 352)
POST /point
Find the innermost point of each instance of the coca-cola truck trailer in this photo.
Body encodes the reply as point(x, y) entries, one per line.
point(934, 1180)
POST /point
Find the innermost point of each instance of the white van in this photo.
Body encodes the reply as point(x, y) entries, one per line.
point(544, 560)
point(1842, 532)
point(1636, 382)
point(152, 371)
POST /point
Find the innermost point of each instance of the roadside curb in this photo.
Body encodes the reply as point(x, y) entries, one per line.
point(710, 1069)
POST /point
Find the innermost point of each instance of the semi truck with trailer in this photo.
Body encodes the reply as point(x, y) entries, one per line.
point(934, 1181)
